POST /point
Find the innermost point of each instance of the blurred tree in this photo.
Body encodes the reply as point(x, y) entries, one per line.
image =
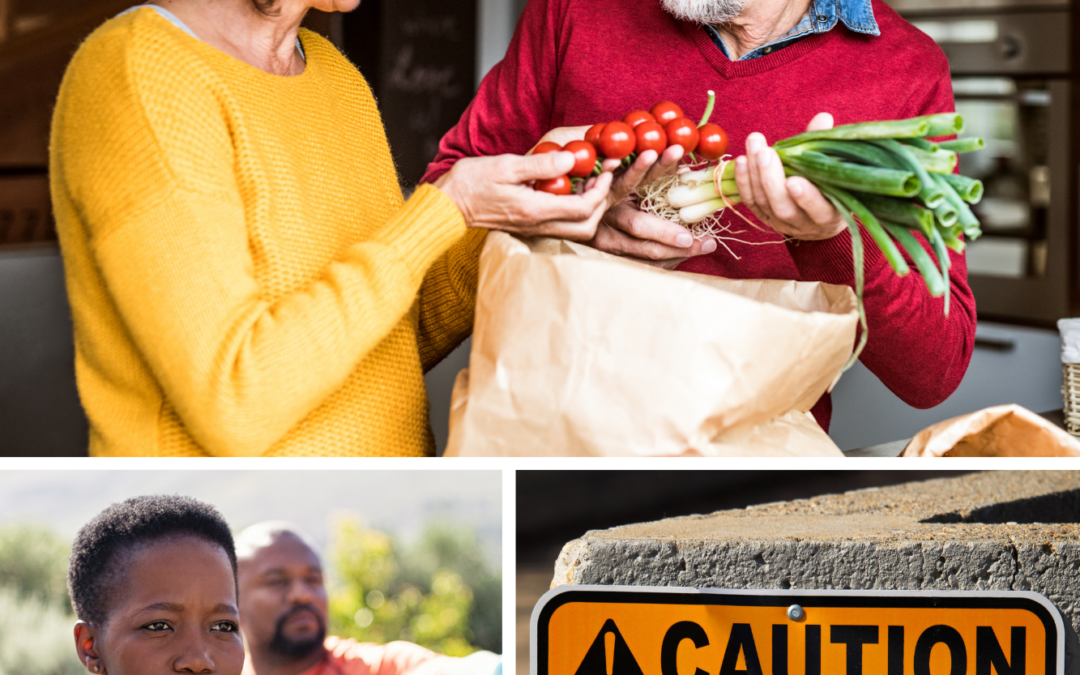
point(35, 614)
point(33, 563)
point(35, 637)
point(439, 593)
point(457, 547)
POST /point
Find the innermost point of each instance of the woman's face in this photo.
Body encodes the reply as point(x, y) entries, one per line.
point(173, 612)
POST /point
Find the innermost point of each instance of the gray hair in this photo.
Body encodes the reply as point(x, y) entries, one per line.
point(709, 12)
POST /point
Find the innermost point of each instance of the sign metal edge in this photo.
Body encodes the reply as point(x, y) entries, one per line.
point(550, 595)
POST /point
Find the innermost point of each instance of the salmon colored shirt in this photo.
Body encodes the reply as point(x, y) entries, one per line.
point(349, 657)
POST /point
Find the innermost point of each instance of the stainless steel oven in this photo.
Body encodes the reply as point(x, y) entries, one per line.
point(1011, 67)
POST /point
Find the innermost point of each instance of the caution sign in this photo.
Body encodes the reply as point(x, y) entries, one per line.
point(619, 630)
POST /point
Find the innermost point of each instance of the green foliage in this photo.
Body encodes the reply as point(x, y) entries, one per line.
point(35, 637)
point(35, 615)
point(33, 563)
point(439, 593)
point(457, 547)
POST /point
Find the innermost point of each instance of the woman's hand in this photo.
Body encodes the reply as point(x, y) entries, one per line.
point(495, 193)
point(791, 206)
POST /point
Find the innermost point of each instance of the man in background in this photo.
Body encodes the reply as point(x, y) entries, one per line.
point(283, 615)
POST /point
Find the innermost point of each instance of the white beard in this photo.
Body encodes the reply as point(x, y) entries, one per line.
point(709, 12)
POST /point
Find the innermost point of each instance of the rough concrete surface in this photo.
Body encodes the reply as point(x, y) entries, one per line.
point(1002, 530)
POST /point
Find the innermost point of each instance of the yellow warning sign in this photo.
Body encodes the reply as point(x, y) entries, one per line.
point(636, 631)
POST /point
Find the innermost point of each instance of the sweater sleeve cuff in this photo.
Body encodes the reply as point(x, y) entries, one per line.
point(468, 252)
point(424, 229)
point(831, 260)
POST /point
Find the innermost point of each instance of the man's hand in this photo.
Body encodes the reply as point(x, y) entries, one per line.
point(625, 230)
point(562, 136)
point(628, 232)
point(792, 206)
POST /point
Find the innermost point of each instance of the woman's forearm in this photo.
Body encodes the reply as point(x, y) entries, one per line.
point(448, 299)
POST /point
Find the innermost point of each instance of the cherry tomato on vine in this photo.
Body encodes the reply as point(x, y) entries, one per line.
point(593, 134)
point(545, 147)
point(617, 140)
point(713, 143)
point(666, 112)
point(638, 117)
point(683, 132)
point(584, 158)
point(650, 136)
point(555, 186)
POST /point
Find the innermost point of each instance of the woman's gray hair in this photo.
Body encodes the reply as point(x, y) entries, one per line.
point(267, 7)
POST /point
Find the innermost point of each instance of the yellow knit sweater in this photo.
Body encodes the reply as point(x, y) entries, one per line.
point(244, 276)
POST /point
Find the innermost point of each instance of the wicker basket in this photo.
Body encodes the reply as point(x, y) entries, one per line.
point(1070, 389)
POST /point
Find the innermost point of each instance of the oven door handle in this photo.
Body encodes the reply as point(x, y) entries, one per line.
point(994, 344)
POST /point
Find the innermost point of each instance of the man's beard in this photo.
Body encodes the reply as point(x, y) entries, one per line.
point(709, 12)
point(291, 648)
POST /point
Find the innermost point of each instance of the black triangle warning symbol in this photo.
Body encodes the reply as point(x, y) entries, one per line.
point(609, 655)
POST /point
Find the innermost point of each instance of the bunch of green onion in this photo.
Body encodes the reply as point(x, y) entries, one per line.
point(885, 175)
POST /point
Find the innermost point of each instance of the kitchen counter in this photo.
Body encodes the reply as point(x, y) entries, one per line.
point(896, 447)
point(1009, 364)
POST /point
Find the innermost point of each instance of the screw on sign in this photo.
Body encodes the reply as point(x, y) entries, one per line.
point(642, 631)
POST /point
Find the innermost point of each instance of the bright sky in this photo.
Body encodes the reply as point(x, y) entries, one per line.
point(397, 501)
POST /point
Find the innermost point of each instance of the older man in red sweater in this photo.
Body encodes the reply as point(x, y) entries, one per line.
point(775, 66)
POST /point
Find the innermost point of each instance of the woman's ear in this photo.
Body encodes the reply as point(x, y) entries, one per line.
point(86, 647)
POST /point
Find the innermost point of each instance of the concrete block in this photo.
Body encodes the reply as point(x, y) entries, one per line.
point(1000, 530)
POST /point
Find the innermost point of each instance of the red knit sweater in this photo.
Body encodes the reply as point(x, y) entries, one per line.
point(577, 62)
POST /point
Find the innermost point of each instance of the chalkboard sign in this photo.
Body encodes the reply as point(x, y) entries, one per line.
point(422, 71)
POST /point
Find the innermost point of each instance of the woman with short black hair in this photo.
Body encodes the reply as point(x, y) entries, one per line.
point(153, 584)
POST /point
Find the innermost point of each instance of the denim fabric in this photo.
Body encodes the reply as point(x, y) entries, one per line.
point(821, 17)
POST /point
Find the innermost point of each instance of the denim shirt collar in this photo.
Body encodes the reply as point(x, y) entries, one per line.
point(858, 15)
point(821, 17)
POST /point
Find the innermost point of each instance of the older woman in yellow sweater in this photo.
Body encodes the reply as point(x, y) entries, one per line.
point(245, 278)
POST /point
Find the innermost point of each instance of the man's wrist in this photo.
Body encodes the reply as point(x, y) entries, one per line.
point(832, 260)
point(837, 229)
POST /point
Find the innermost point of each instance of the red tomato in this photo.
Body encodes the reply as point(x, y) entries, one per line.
point(617, 140)
point(713, 143)
point(593, 135)
point(666, 112)
point(650, 136)
point(638, 117)
point(555, 186)
point(584, 158)
point(683, 132)
point(545, 147)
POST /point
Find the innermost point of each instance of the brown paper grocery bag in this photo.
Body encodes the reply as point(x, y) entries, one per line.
point(1001, 431)
point(576, 352)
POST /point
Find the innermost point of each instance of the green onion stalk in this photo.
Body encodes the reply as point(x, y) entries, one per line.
point(889, 180)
